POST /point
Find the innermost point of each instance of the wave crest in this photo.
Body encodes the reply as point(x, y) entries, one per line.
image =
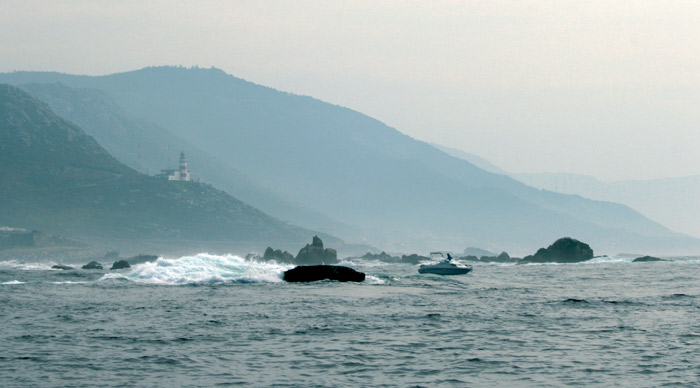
point(203, 268)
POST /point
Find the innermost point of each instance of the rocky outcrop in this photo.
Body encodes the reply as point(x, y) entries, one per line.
point(61, 266)
point(315, 254)
point(92, 265)
point(413, 259)
point(564, 250)
point(278, 255)
point(384, 257)
point(121, 264)
point(312, 273)
point(644, 259)
point(504, 257)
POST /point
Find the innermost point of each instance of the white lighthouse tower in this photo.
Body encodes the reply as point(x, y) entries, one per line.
point(181, 174)
point(184, 173)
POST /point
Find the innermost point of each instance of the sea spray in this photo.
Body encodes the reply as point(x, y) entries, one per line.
point(11, 283)
point(203, 268)
point(14, 264)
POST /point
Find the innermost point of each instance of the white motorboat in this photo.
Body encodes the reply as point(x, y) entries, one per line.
point(445, 267)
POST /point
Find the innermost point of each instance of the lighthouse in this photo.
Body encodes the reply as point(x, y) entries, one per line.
point(184, 173)
point(181, 174)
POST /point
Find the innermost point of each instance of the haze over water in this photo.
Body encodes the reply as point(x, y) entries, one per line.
point(221, 321)
point(313, 118)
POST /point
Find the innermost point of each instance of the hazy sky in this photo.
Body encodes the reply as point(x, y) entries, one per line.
point(607, 88)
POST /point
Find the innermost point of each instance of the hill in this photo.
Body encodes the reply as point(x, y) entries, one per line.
point(471, 158)
point(670, 201)
point(403, 194)
point(148, 148)
point(56, 178)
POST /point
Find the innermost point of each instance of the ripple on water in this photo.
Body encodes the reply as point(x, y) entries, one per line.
point(499, 326)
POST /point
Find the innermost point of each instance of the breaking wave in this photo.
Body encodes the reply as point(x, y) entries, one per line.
point(203, 268)
point(609, 259)
point(14, 264)
point(13, 282)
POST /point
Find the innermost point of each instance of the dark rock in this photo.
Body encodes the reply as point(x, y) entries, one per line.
point(504, 257)
point(647, 259)
point(278, 255)
point(413, 259)
point(140, 259)
point(564, 250)
point(312, 273)
point(314, 254)
point(92, 265)
point(469, 258)
point(61, 266)
point(383, 257)
point(121, 264)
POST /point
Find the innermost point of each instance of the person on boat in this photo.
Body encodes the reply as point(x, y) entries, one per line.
point(449, 257)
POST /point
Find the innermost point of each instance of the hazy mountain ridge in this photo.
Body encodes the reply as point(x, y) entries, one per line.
point(55, 177)
point(354, 168)
point(148, 147)
point(671, 201)
point(471, 158)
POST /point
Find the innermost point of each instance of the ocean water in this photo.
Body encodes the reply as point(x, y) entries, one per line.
point(210, 321)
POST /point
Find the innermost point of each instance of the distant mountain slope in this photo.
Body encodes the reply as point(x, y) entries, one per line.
point(674, 202)
point(55, 177)
point(147, 147)
point(471, 158)
point(671, 201)
point(405, 193)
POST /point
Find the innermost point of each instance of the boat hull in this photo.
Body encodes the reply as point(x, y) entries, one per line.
point(444, 271)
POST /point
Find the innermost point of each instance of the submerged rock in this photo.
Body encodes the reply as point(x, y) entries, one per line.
point(121, 264)
point(315, 254)
point(564, 250)
point(61, 266)
point(647, 259)
point(312, 273)
point(92, 265)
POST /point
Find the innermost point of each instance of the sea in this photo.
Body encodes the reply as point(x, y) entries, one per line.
point(222, 321)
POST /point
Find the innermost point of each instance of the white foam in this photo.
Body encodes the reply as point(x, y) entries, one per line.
point(595, 260)
point(608, 260)
point(203, 268)
point(14, 264)
point(369, 279)
point(11, 283)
